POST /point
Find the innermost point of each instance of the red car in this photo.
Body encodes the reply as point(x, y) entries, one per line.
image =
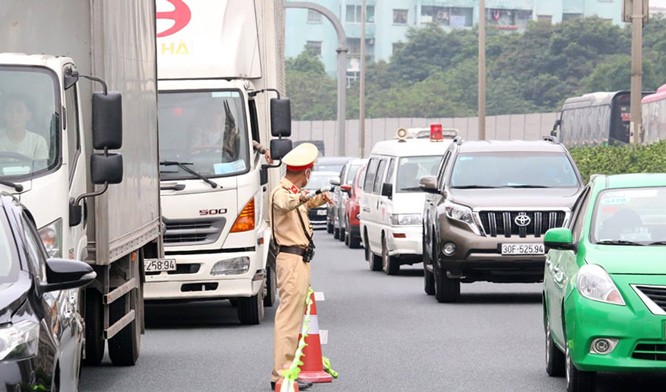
point(352, 209)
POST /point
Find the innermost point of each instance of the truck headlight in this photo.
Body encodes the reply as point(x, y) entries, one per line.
point(235, 266)
point(406, 219)
point(51, 236)
point(463, 214)
point(594, 283)
point(19, 340)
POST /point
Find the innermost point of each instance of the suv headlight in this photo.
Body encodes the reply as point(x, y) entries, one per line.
point(19, 340)
point(51, 236)
point(463, 214)
point(406, 219)
point(594, 283)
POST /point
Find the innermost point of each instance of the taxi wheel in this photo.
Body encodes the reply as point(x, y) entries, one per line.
point(577, 380)
point(554, 357)
point(390, 264)
point(446, 289)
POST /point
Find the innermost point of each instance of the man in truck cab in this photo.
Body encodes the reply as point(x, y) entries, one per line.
point(15, 136)
point(292, 233)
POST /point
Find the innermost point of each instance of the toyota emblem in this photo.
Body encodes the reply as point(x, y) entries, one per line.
point(522, 219)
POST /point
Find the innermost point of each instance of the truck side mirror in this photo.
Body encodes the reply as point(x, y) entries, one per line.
point(106, 168)
point(280, 148)
point(107, 124)
point(280, 118)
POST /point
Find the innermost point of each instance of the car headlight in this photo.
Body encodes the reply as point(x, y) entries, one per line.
point(406, 219)
point(463, 214)
point(594, 283)
point(19, 340)
point(51, 236)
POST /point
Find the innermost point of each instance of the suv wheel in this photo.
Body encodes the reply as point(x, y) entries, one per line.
point(428, 277)
point(390, 264)
point(446, 289)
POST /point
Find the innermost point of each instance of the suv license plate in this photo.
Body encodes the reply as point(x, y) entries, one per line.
point(522, 249)
point(158, 265)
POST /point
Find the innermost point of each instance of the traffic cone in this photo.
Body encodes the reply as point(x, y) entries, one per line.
point(278, 386)
point(312, 369)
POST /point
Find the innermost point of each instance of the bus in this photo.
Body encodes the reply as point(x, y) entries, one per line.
point(595, 118)
point(653, 109)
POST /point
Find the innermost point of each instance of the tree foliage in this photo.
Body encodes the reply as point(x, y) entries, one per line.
point(435, 73)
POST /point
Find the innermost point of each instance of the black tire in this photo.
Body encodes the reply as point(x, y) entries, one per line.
point(577, 380)
point(555, 361)
point(336, 233)
point(347, 237)
point(270, 290)
point(125, 346)
point(354, 242)
point(342, 234)
point(94, 319)
point(366, 249)
point(251, 309)
point(390, 264)
point(428, 276)
point(329, 227)
point(447, 290)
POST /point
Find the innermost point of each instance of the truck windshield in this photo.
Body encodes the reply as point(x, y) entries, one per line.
point(206, 129)
point(28, 122)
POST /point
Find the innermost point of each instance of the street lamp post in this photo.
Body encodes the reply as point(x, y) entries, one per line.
point(482, 70)
point(361, 88)
point(637, 15)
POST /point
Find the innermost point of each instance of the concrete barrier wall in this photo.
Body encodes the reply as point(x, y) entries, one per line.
point(507, 127)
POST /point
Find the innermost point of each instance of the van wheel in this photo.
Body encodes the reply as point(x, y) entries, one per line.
point(390, 264)
point(366, 248)
point(446, 289)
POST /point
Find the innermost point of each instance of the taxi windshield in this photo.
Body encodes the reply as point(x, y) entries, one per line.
point(28, 121)
point(630, 216)
point(205, 132)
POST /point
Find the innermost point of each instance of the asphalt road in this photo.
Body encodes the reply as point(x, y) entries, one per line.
point(384, 334)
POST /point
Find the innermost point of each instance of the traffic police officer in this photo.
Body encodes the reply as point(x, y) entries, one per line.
point(293, 273)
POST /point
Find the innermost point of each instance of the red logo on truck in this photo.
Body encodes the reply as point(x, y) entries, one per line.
point(181, 16)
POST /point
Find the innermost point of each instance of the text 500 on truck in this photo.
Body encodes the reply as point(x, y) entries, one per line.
point(87, 166)
point(221, 76)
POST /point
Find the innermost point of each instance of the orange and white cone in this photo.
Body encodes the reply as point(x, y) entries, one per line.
point(294, 386)
point(312, 369)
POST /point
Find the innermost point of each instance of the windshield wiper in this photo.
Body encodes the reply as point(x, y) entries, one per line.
point(183, 166)
point(474, 187)
point(526, 186)
point(618, 242)
point(17, 187)
point(658, 243)
point(411, 188)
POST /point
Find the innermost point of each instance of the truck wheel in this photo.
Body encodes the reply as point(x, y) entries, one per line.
point(94, 328)
point(446, 289)
point(270, 291)
point(251, 309)
point(390, 264)
point(125, 346)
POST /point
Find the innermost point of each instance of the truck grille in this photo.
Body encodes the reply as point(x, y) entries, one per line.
point(192, 231)
point(650, 351)
point(656, 294)
point(533, 223)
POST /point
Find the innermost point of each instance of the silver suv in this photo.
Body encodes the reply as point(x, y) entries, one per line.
point(487, 211)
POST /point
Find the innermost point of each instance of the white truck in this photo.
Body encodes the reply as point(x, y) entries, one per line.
point(86, 163)
point(221, 86)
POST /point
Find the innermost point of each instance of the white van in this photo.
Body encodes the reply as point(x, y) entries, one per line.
point(392, 202)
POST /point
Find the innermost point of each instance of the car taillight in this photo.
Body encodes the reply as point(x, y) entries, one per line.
point(354, 211)
point(245, 220)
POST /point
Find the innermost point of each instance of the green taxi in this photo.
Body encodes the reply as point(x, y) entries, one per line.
point(604, 291)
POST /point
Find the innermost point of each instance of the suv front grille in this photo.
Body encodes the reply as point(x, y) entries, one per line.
point(187, 231)
point(504, 223)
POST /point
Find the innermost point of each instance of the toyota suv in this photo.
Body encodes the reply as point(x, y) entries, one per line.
point(487, 211)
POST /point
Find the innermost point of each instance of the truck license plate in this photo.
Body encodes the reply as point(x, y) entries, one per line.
point(522, 249)
point(158, 265)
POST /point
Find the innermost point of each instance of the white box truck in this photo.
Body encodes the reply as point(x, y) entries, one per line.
point(220, 83)
point(86, 164)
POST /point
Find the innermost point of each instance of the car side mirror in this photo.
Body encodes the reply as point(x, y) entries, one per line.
point(63, 274)
point(428, 184)
point(335, 181)
point(346, 188)
point(559, 238)
point(387, 189)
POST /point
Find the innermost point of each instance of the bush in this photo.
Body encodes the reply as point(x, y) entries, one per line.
point(630, 158)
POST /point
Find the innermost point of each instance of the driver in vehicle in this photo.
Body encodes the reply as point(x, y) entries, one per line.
point(14, 136)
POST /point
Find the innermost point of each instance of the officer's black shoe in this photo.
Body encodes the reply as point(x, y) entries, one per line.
point(302, 385)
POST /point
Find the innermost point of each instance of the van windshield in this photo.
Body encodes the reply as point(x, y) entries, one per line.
point(411, 169)
point(28, 121)
point(204, 131)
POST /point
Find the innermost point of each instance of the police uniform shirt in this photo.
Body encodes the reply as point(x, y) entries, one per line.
point(287, 227)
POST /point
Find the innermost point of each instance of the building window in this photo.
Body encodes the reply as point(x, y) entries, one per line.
point(460, 17)
point(313, 47)
point(400, 16)
point(354, 14)
point(568, 16)
point(447, 16)
point(508, 19)
point(314, 16)
point(545, 19)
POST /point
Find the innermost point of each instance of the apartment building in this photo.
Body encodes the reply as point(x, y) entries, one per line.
point(387, 22)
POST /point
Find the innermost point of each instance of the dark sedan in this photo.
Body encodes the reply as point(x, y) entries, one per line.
point(318, 180)
point(41, 332)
